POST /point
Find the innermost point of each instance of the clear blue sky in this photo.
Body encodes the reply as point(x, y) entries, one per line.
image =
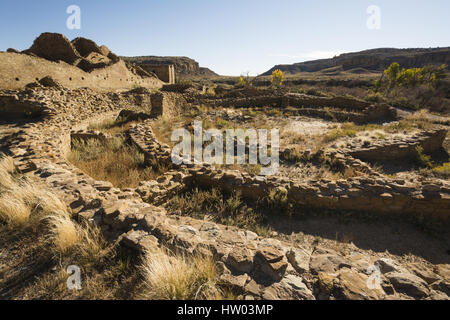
point(232, 36)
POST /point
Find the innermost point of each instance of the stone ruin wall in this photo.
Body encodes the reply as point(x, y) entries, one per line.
point(339, 108)
point(18, 70)
point(370, 194)
point(165, 73)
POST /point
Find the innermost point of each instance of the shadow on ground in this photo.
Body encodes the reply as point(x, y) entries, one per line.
point(396, 237)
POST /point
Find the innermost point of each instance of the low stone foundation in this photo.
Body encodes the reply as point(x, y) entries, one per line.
point(430, 141)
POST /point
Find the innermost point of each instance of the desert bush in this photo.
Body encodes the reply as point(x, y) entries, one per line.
point(229, 210)
point(422, 159)
point(222, 123)
point(254, 170)
point(375, 97)
point(428, 75)
point(251, 113)
point(277, 78)
point(171, 276)
point(442, 170)
point(240, 82)
point(277, 200)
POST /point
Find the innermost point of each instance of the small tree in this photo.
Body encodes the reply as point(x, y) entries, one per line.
point(245, 80)
point(277, 78)
point(240, 82)
point(392, 74)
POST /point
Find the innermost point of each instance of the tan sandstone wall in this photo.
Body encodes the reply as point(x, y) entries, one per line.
point(18, 70)
point(165, 73)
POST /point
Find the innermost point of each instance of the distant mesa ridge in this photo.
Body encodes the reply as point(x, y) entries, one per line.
point(372, 60)
point(184, 66)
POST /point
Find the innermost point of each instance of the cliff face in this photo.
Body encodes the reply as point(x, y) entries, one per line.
point(183, 66)
point(375, 60)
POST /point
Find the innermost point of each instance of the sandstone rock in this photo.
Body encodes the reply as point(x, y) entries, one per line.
point(327, 261)
point(211, 228)
point(289, 288)
point(408, 284)
point(271, 263)
point(234, 282)
point(442, 285)
point(438, 295)
point(103, 185)
point(140, 240)
point(325, 284)
point(299, 258)
point(104, 50)
point(188, 229)
point(443, 270)
point(388, 265)
point(253, 288)
point(240, 259)
point(423, 272)
point(353, 286)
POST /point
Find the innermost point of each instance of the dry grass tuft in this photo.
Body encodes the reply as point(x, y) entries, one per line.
point(7, 165)
point(178, 277)
point(64, 234)
point(6, 169)
point(114, 161)
point(13, 211)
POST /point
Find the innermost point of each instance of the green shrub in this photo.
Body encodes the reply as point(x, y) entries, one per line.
point(423, 159)
point(443, 170)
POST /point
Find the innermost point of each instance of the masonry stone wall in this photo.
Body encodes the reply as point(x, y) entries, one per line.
point(18, 70)
point(370, 194)
point(165, 73)
point(167, 104)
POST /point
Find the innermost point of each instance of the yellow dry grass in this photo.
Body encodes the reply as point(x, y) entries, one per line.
point(64, 234)
point(13, 211)
point(178, 277)
point(24, 204)
point(114, 161)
